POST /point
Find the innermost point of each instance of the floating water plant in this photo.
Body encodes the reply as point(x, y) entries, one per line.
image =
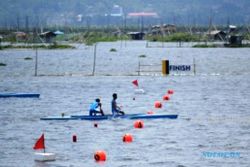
point(27, 58)
point(112, 50)
point(56, 46)
point(2, 64)
point(142, 56)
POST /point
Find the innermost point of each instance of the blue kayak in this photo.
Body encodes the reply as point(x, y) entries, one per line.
point(154, 116)
point(65, 118)
point(107, 117)
point(20, 95)
point(87, 117)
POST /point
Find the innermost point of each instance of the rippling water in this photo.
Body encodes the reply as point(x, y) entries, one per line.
point(213, 106)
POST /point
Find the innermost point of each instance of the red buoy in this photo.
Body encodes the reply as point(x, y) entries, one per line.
point(170, 91)
point(74, 138)
point(100, 156)
point(158, 104)
point(166, 97)
point(139, 124)
point(150, 112)
point(127, 138)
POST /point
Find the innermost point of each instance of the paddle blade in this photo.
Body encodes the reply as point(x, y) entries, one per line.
point(39, 143)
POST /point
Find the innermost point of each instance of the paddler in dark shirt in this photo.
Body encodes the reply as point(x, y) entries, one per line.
point(116, 110)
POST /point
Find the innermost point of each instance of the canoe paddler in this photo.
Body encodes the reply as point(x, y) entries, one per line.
point(116, 110)
point(96, 108)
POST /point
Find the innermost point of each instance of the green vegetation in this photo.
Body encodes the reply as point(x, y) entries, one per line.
point(92, 37)
point(53, 46)
point(205, 46)
point(176, 37)
point(247, 36)
point(113, 50)
point(237, 46)
point(56, 46)
point(2, 64)
point(219, 46)
point(142, 56)
point(27, 58)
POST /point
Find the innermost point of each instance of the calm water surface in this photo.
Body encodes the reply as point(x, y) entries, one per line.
point(213, 106)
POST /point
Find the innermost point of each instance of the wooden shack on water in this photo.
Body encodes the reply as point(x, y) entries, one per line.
point(48, 36)
point(137, 35)
point(217, 35)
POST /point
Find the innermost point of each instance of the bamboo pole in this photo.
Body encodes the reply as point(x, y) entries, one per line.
point(36, 62)
point(94, 62)
point(194, 66)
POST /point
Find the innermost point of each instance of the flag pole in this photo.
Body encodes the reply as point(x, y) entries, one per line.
point(44, 144)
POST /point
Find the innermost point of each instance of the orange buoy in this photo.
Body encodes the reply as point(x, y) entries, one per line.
point(166, 97)
point(74, 138)
point(100, 156)
point(127, 138)
point(95, 125)
point(150, 112)
point(170, 91)
point(139, 124)
point(158, 104)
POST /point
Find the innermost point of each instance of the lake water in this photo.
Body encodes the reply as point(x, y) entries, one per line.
point(213, 106)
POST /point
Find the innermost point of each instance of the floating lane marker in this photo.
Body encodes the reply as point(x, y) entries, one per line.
point(74, 138)
point(158, 104)
point(170, 91)
point(100, 156)
point(127, 138)
point(139, 91)
point(150, 112)
point(42, 156)
point(166, 97)
point(139, 124)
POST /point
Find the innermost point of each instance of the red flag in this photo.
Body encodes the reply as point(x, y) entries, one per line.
point(135, 82)
point(39, 143)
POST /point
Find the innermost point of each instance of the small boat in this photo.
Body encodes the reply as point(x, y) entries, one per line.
point(100, 117)
point(20, 95)
point(42, 156)
point(64, 118)
point(155, 116)
point(88, 117)
point(109, 116)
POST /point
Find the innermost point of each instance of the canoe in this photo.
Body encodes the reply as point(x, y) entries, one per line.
point(87, 117)
point(64, 118)
point(155, 116)
point(20, 95)
point(108, 117)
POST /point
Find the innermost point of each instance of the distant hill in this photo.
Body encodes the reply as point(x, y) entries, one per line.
point(21, 13)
